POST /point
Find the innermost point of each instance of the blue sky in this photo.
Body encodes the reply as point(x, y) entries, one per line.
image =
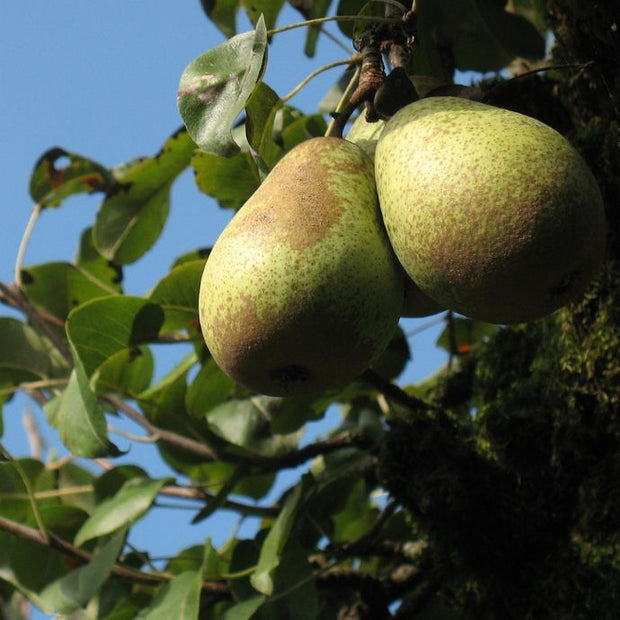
point(100, 79)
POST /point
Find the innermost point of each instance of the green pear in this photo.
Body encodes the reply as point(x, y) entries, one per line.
point(302, 290)
point(366, 135)
point(493, 214)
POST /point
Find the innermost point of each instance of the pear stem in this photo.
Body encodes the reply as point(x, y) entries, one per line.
point(371, 77)
point(338, 63)
point(350, 89)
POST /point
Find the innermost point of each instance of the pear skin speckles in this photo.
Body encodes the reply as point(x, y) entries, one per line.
point(491, 213)
point(302, 289)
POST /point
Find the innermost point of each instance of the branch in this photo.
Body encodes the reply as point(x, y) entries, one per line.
point(16, 297)
point(264, 463)
point(130, 574)
point(396, 394)
point(202, 495)
point(297, 457)
point(161, 434)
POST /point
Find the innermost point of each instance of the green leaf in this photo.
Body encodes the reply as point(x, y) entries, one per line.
point(29, 566)
point(230, 180)
point(133, 216)
point(275, 541)
point(177, 294)
point(199, 254)
point(480, 34)
point(80, 418)
point(246, 609)
point(288, 415)
point(211, 387)
point(127, 372)
point(269, 9)
point(130, 503)
point(71, 475)
point(164, 402)
point(178, 599)
point(23, 352)
point(74, 590)
point(394, 359)
point(461, 334)
point(302, 129)
point(247, 423)
point(107, 484)
point(294, 580)
point(357, 516)
point(349, 7)
point(50, 184)
point(215, 86)
point(211, 563)
point(261, 110)
point(128, 608)
point(101, 328)
point(89, 260)
point(223, 13)
point(319, 8)
point(57, 288)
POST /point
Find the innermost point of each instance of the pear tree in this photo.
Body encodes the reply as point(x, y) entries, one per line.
point(463, 167)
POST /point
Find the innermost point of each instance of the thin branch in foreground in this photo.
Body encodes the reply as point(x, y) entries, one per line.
point(66, 548)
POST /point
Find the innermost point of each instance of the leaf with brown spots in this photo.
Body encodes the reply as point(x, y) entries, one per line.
point(215, 87)
point(59, 174)
point(132, 217)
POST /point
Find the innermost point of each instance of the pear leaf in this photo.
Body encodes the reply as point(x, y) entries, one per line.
point(80, 419)
point(223, 13)
point(132, 217)
point(51, 183)
point(24, 352)
point(177, 294)
point(58, 287)
point(180, 599)
point(128, 505)
point(262, 578)
point(246, 609)
point(74, 590)
point(102, 327)
point(215, 87)
point(230, 180)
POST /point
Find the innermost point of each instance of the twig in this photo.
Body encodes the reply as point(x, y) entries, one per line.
point(338, 63)
point(16, 297)
point(396, 394)
point(186, 443)
point(21, 251)
point(202, 495)
point(332, 18)
point(35, 441)
point(66, 548)
point(264, 463)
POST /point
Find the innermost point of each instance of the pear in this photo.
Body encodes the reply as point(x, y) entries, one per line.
point(493, 214)
point(302, 290)
point(366, 135)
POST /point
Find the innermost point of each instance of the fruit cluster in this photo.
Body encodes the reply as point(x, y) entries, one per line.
point(451, 204)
